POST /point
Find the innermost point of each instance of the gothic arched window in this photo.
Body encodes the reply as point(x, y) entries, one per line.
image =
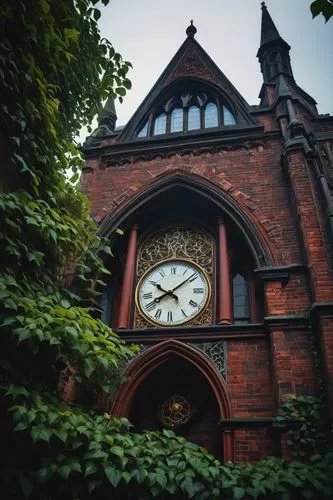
point(193, 118)
point(188, 112)
point(211, 116)
point(228, 117)
point(160, 124)
point(177, 120)
point(143, 132)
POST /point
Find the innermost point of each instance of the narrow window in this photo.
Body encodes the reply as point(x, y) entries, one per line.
point(241, 308)
point(143, 131)
point(106, 305)
point(160, 124)
point(177, 120)
point(211, 119)
point(193, 118)
point(228, 117)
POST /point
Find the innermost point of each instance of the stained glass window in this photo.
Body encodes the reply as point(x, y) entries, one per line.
point(228, 117)
point(177, 120)
point(193, 118)
point(240, 298)
point(143, 131)
point(211, 118)
point(160, 124)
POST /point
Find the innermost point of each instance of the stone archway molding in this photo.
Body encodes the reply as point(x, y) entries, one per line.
point(144, 364)
point(254, 228)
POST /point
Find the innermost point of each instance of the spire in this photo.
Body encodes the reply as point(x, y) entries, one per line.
point(273, 53)
point(191, 30)
point(268, 28)
point(108, 116)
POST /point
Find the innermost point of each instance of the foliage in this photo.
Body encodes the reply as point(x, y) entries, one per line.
point(324, 7)
point(77, 455)
point(309, 433)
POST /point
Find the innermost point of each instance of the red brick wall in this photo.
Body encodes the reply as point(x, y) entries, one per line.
point(261, 371)
point(252, 176)
point(253, 445)
point(249, 380)
point(293, 369)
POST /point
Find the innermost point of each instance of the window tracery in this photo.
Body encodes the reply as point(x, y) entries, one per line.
point(187, 112)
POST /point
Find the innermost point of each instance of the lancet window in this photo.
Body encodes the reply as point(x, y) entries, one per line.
point(188, 112)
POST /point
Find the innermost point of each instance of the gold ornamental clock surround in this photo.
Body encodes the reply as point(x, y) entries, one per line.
point(177, 251)
point(173, 292)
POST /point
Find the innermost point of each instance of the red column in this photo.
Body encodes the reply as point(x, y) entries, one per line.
point(224, 299)
point(128, 282)
point(227, 446)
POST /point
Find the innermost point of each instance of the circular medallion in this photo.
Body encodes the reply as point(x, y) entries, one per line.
point(175, 411)
point(173, 292)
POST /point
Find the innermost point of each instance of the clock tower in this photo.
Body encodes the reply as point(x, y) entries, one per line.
point(225, 264)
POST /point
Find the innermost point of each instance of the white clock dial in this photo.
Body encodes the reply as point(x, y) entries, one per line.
point(173, 292)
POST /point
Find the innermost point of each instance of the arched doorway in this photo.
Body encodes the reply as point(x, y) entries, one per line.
point(173, 368)
point(177, 396)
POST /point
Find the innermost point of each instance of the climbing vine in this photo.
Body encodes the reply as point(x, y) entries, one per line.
point(309, 432)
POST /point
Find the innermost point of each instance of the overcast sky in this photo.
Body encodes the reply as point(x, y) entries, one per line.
point(149, 32)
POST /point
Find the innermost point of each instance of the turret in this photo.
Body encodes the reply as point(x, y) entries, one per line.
point(273, 53)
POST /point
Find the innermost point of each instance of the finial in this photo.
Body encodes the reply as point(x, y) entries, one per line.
point(263, 6)
point(191, 30)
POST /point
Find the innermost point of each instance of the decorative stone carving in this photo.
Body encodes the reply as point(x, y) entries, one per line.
point(216, 351)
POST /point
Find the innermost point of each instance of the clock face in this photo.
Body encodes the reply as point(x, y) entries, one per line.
point(173, 292)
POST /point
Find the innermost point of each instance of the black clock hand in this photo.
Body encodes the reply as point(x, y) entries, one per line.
point(178, 286)
point(169, 292)
point(158, 299)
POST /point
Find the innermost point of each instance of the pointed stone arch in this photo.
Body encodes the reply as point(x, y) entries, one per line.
point(236, 205)
point(144, 364)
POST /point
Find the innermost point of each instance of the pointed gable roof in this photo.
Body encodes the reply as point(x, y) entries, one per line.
point(190, 61)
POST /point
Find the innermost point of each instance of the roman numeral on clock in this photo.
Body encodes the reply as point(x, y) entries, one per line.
point(193, 304)
point(194, 277)
point(162, 273)
point(158, 314)
point(148, 295)
point(169, 316)
point(150, 306)
point(173, 270)
point(184, 313)
point(198, 290)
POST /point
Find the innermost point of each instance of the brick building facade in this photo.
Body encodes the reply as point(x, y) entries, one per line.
point(240, 198)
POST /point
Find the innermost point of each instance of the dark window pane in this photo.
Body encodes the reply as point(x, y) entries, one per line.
point(193, 118)
point(143, 131)
point(106, 305)
point(211, 119)
point(240, 297)
point(177, 120)
point(160, 124)
point(228, 117)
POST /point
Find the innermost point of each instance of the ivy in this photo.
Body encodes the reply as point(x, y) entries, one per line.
point(309, 433)
point(324, 7)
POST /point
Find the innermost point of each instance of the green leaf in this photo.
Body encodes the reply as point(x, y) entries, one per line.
point(121, 91)
point(64, 471)
point(112, 474)
point(116, 450)
point(95, 454)
point(89, 367)
point(238, 493)
point(25, 485)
